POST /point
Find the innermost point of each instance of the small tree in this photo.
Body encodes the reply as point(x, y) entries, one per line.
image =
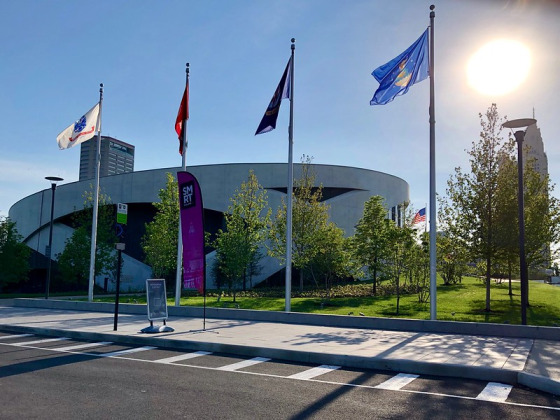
point(451, 259)
point(333, 257)
point(470, 211)
point(14, 255)
point(160, 240)
point(74, 261)
point(399, 245)
point(310, 219)
point(372, 236)
point(237, 247)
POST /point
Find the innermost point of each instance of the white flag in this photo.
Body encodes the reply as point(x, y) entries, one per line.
point(80, 131)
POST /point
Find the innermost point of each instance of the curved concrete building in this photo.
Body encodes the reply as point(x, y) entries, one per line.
point(345, 189)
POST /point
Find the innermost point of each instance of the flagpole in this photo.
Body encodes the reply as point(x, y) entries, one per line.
point(426, 222)
point(433, 228)
point(179, 274)
point(95, 200)
point(290, 187)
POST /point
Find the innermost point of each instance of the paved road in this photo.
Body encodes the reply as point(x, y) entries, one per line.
point(53, 377)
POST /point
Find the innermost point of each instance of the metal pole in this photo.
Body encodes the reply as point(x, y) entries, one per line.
point(95, 201)
point(290, 187)
point(519, 137)
point(433, 228)
point(49, 256)
point(117, 297)
point(179, 272)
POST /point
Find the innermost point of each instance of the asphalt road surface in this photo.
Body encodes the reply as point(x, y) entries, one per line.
point(56, 378)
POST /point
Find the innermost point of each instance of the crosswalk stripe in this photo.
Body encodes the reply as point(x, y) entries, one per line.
point(183, 357)
point(84, 346)
point(45, 340)
point(495, 391)
point(244, 364)
point(313, 372)
point(127, 351)
point(7, 337)
point(397, 382)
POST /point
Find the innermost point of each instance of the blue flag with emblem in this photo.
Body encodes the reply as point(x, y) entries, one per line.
point(396, 76)
point(268, 122)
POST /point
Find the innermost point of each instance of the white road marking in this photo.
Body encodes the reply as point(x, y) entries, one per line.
point(244, 364)
point(127, 351)
point(183, 357)
point(351, 385)
point(495, 391)
point(7, 337)
point(397, 382)
point(84, 346)
point(313, 372)
point(45, 340)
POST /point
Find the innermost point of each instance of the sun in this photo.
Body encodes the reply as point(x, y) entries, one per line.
point(499, 67)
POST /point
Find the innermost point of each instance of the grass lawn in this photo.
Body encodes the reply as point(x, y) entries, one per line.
point(461, 302)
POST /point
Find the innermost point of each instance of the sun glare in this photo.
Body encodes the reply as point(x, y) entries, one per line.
point(499, 67)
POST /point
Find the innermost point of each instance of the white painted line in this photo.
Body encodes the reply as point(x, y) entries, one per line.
point(183, 357)
point(84, 346)
point(7, 337)
point(495, 392)
point(313, 372)
point(397, 382)
point(127, 351)
point(45, 340)
point(244, 364)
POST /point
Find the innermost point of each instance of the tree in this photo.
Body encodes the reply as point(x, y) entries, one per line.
point(451, 259)
point(541, 213)
point(372, 236)
point(469, 211)
point(237, 247)
point(310, 219)
point(74, 261)
point(399, 245)
point(160, 240)
point(333, 257)
point(14, 254)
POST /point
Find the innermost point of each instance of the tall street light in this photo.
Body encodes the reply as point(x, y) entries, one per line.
point(519, 137)
point(53, 180)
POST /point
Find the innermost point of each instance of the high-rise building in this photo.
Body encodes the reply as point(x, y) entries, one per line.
point(533, 150)
point(117, 157)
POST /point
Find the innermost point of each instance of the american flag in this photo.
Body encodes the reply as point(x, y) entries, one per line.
point(420, 216)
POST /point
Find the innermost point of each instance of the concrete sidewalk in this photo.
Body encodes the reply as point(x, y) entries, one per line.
point(533, 362)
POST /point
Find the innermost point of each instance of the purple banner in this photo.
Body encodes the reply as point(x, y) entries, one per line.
point(192, 231)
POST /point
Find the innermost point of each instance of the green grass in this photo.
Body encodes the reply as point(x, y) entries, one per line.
point(461, 302)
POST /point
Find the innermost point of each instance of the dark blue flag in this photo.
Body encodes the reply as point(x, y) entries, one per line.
point(396, 76)
point(268, 122)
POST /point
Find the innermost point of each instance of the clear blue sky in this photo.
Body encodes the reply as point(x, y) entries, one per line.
point(54, 54)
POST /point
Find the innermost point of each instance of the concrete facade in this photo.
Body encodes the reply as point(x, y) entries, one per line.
point(345, 189)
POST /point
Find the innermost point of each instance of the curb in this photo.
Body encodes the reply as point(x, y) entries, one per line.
point(343, 321)
point(359, 362)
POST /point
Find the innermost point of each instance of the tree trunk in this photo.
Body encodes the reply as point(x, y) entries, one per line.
point(375, 277)
point(509, 276)
point(398, 291)
point(487, 284)
point(301, 280)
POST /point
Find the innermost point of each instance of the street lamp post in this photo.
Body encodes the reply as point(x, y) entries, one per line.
point(53, 180)
point(524, 277)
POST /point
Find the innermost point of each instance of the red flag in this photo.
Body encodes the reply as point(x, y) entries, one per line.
point(182, 115)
